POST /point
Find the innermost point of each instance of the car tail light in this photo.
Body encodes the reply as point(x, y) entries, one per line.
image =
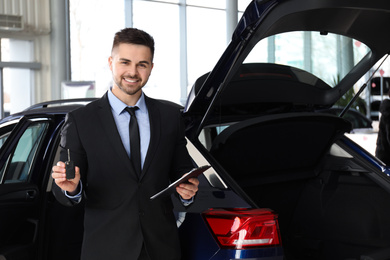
point(244, 228)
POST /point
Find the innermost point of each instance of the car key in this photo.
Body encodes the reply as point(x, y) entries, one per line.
point(69, 166)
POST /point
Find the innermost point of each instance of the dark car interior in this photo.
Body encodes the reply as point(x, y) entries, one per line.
point(328, 206)
point(290, 159)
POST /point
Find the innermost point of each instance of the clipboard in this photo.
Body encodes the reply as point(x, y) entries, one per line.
point(195, 172)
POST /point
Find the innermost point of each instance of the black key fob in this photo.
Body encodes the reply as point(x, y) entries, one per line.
point(69, 166)
point(70, 172)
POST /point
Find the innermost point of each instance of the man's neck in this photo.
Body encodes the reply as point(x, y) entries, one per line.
point(129, 100)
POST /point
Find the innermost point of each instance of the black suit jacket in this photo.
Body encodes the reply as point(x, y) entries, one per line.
point(383, 140)
point(119, 215)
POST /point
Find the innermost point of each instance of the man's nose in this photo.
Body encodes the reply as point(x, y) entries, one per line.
point(132, 70)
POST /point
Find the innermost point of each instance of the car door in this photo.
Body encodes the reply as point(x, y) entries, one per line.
point(22, 143)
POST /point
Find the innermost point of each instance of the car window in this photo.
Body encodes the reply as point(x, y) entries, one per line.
point(20, 161)
point(356, 120)
point(5, 131)
point(308, 51)
point(3, 138)
point(208, 135)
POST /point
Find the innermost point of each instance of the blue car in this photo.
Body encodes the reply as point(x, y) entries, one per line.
point(255, 119)
point(284, 183)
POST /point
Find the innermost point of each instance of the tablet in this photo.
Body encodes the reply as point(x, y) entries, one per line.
point(172, 187)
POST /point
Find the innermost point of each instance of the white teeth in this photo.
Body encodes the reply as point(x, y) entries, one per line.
point(130, 80)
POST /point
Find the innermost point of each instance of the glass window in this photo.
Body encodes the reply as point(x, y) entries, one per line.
point(16, 50)
point(3, 138)
point(93, 24)
point(167, 1)
point(17, 82)
point(164, 81)
point(260, 52)
point(309, 51)
point(243, 4)
point(206, 41)
point(5, 131)
point(5, 51)
point(91, 40)
point(19, 164)
point(289, 50)
point(207, 3)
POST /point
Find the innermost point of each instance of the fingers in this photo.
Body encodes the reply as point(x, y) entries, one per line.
point(188, 190)
point(59, 172)
point(194, 181)
point(59, 176)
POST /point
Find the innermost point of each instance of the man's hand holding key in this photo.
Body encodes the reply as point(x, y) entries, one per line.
point(60, 177)
point(69, 166)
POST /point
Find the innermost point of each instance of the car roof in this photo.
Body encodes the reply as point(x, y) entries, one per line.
point(359, 19)
point(55, 107)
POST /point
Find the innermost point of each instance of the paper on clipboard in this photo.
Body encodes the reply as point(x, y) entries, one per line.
point(172, 187)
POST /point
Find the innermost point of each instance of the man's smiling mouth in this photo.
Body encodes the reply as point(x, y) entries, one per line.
point(130, 80)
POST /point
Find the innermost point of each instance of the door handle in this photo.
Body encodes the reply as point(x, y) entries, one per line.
point(30, 195)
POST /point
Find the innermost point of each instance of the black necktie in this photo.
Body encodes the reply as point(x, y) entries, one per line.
point(135, 146)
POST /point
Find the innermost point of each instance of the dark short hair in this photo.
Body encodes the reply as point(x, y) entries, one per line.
point(134, 36)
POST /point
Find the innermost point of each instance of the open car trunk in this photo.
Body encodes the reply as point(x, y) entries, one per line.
point(255, 113)
point(300, 166)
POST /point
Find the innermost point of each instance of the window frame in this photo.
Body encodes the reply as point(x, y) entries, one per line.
point(16, 130)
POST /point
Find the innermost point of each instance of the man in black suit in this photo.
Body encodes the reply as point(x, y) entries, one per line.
point(121, 222)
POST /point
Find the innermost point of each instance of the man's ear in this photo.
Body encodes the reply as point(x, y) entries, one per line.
point(151, 69)
point(110, 62)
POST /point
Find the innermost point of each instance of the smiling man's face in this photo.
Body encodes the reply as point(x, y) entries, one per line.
point(131, 66)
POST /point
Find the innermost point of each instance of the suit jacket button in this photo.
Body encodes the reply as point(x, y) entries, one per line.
point(141, 213)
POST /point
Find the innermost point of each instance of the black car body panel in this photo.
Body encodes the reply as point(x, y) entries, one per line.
point(30, 213)
point(284, 183)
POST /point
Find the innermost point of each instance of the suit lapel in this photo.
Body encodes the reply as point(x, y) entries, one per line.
point(155, 126)
point(108, 124)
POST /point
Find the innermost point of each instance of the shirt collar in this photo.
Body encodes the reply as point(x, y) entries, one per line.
point(118, 106)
